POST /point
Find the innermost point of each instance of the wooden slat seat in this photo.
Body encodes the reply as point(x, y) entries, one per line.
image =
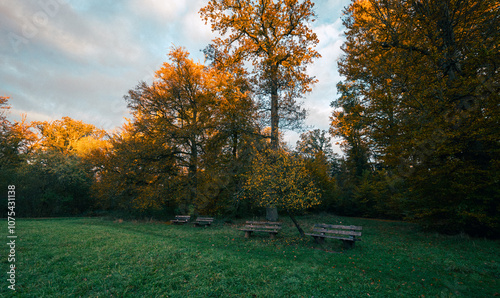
point(181, 219)
point(203, 221)
point(261, 226)
point(348, 234)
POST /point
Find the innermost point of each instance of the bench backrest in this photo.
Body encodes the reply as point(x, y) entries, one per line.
point(268, 225)
point(352, 231)
point(182, 217)
point(201, 218)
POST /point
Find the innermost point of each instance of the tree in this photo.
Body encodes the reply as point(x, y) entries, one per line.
point(276, 38)
point(427, 80)
point(16, 138)
point(232, 143)
point(349, 122)
point(137, 173)
point(4, 107)
point(315, 148)
point(54, 169)
point(178, 106)
point(4, 129)
point(16, 142)
point(68, 136)
point(279, 179)
point(203, 115)
point(53, 184)
point(313, 142)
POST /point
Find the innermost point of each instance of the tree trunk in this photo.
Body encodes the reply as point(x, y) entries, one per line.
point(192, 173)
point(274, 109)
point(235, 146)
point(272, 212)
point(296, 223)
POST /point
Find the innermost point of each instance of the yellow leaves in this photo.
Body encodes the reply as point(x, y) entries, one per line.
point(85, 146)
point(265, 32)
point(281, 180)
point(65, 134)
point(4, 106)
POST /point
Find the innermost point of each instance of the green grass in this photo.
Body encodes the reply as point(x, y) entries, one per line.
point(101, 258)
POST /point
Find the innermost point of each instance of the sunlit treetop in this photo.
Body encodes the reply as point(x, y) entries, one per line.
point(69, 136)
point(276, 37)
point(266, 32)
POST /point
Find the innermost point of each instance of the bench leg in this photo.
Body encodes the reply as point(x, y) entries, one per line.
point(247, 234)
point(348, 244)
point(272, 235)
point(319, 240)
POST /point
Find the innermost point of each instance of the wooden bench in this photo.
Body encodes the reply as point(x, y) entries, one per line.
point(181, 219)
point(348, 234)
point(262, 226)
point(203, 221)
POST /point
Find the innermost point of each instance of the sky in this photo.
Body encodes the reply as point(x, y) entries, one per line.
point(78, 58)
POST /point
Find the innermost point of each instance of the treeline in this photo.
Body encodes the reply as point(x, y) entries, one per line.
point(150, 169)
point(417, 113)
point(50, 163)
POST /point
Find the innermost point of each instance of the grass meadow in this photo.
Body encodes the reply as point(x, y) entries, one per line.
point(92, 257)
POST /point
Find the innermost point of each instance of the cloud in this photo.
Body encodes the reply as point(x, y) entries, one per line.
point(78, 58)
point(329, 11)
point(72, 64)
point(330, 40)
point(165, 12)
point(325, 70)
point(71, 34)
point(93, 97)
point(200, 34)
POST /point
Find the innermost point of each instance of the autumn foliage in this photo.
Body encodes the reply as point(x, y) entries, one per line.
point(277, 178)
point(420, 100)
point(185, 147)
point(52, 164)
point(276, 37)
point(416, 115)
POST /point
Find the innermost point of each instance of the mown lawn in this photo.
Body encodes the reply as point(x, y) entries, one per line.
point(103, 258)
